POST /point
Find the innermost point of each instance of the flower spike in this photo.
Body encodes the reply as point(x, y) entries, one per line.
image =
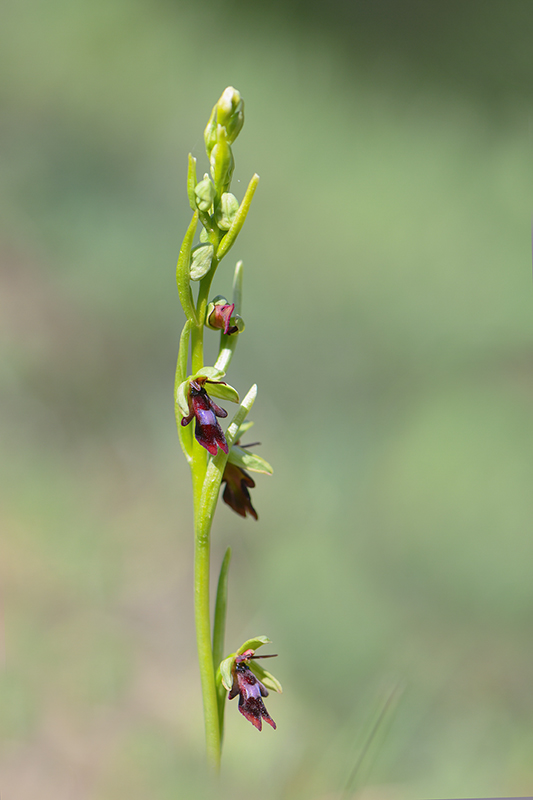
point(219, 218)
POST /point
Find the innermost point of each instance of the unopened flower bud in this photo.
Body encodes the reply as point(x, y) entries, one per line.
point(226, 211)
point(222, 162)
point(201, 258)
point(210, 133)
point(230, 113)
point(220, 316)
point(205, 193)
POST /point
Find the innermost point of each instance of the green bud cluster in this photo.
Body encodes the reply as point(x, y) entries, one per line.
point(219, 211)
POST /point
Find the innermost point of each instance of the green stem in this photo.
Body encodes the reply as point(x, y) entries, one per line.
point(203, 638)
point(202, 527)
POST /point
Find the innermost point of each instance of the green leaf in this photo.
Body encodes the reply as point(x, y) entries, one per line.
point(265, 677)
point(221, 605)
point(245, 460)
point(226, 668)
point(253, 644)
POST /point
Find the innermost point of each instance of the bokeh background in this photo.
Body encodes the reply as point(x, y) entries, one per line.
point(389, 327)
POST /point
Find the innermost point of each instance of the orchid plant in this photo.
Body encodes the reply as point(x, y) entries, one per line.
point(216, 456)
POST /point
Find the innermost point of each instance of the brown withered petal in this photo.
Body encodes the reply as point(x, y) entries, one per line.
point(236, 493)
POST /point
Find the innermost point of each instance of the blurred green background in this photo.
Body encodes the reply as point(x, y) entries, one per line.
point(388, 309)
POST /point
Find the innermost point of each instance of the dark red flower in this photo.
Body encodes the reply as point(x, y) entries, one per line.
point(220, 318)
point(236, 493)
point(251, 692)
point(207, 430)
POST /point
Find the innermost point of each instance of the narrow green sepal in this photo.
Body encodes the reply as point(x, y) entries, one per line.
point(204, 235)
point(223, 391)
point(201, 258)
point(182, 397)
point(226, 211)
point(211, 373)
point(213, 384)
point(246, 460)
point(226, 668)
point(191, 182)
point(204, 193)
point(266, 677)
point(253, 644)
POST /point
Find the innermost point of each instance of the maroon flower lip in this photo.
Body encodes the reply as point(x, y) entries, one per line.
point(208, 432)
point(251, 692)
